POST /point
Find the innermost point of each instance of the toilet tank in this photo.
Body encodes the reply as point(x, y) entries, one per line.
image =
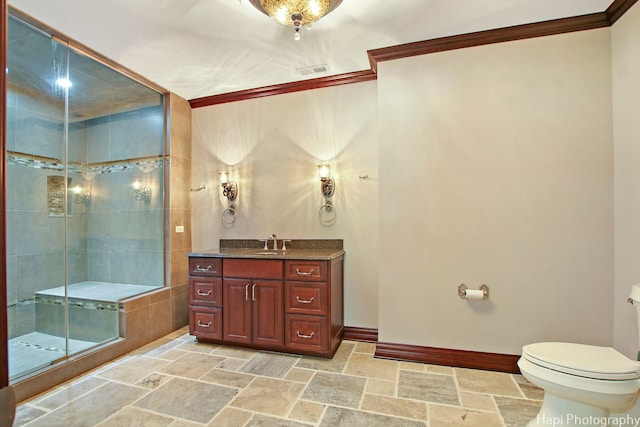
point(634, 298)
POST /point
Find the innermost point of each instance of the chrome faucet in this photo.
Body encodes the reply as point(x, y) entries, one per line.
point(275, 241)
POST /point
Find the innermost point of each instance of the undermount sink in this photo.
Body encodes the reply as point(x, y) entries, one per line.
point(267, 253)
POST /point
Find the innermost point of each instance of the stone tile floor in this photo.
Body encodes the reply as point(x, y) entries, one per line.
point(178, 382)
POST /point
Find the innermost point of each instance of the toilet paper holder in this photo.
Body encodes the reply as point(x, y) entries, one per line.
point(462, 291)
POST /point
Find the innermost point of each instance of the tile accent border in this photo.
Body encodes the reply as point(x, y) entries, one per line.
point(435, 356)
point(90, 170)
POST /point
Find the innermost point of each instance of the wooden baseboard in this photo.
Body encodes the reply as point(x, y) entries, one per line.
point(449, 357)
point(360, 334)
point(434, 356)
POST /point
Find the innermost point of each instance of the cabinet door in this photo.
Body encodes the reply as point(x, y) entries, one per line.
point(205, 266)
point(306, 333)
point(205, 322)
point(205, 291)
point(305, 298)
point(236, 297)
point(268, 313)
point(315, 271)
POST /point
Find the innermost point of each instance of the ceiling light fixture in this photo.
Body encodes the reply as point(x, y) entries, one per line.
point(64, 83)
point(296, 13)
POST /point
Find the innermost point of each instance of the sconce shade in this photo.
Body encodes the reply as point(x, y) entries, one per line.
point(224, 177)
point(324, 171)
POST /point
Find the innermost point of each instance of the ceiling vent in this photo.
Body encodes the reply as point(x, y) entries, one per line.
point(313, 69)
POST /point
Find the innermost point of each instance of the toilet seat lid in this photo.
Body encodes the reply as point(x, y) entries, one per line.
point(582, 360)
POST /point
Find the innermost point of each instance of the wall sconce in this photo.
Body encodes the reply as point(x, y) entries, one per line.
point(229, 188)
point(327, 184)
point(327, 213)
point(142, 193)
point(80, 196)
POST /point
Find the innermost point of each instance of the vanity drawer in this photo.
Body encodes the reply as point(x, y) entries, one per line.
point(315, 271)
point(305, 298)
point(253, 268)
point(205, 291)
point(205, 266)
point(305, 333)
point(205, 322)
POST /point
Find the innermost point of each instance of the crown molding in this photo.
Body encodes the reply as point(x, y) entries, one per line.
point(279, 89)
point(617, 9)
point(500, 35)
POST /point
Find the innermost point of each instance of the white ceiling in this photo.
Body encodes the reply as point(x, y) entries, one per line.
point(198, 48)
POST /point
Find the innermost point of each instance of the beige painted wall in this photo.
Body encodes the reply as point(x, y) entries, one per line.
point(496, 167)
point(272, 147)
point(626, 132)
point(489, 165)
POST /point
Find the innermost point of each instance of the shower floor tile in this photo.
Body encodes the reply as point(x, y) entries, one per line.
point(36, 350)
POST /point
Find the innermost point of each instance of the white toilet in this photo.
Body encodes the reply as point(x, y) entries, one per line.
point(583, 384)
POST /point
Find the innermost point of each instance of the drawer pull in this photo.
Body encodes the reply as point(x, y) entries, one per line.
point(307, 337)
point(204, 270)
point(302, 273)
point(203, 294)
point(204, 325)
point(304, 301)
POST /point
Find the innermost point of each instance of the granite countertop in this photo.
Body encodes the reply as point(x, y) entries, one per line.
point(296, 249)
point(310, 254)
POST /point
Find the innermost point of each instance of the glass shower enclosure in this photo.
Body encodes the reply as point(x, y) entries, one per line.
point(84, 197)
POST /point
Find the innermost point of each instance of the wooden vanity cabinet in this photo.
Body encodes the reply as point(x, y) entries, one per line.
point(285, 305)
point(205, 297)
point(252, 301)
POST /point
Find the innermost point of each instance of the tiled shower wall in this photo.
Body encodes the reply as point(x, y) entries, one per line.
point(124, 235)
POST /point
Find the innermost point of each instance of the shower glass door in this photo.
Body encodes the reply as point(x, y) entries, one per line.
point(85, 205)
point(35, 192)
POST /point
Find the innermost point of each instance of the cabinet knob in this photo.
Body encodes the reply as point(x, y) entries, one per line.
point(203, 294)
point(304, 301)
point(303, 273)
point(204, 325)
